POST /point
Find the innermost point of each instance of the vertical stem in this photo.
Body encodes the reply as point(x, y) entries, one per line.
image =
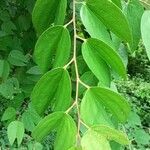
point(76, 67)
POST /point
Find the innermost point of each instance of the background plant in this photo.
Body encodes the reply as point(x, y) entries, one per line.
point(76, 70)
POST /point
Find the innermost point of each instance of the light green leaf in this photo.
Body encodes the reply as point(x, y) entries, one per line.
point(93, 141)
point(111, 134)
point(117, 22)
point(145, 29)
point(15, 130)
point(66, 134)
point(115, 103)
point(94, 51)
point(4, 69)
point(94, 26)
point(47, 12)
point(53, 89)
point(142, 137)
point(46, 125)
point(134, 14)
point(97, 65)
point(53, 48)
point(9, 113)
point(92, 111)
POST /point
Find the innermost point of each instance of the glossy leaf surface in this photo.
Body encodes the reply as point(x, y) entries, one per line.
point(52, 48)
point(53, 89)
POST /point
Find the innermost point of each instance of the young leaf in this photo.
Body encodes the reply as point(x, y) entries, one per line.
point(47, 12)
point(134, 14)
point(63, 124)
point(111, 134)
point(96, 50)
point(54, 88)
point(145, 29)
point(46, 125)
point(92, 141)
point(15, 130)
point(66, 133)
point(115, 103)
point(52, 48)
point(94, 26)
point(112, 17)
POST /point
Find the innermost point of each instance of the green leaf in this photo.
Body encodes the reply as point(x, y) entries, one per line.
point(75, 148)
point(63, 124)
point(93, 112)
point(134, 15)
point(15, 130)
point(66, 134)
point(96, 51)
point(117, 22)
point(34, 70)
point(92, 141)
point(53, 48)
point(115, 103)
point(118, 3)
point(94, 26)
point(54, 89)
point(47, 12)
point(111, 134)
point(96, 64)
point(145, 29)
point(4, 69)
point(17, 58)
point(30, 118)
point(46, 125)
point(9, 113)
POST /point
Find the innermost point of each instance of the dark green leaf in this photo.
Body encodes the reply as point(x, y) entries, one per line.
point(4, 69)
point(47, 12)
